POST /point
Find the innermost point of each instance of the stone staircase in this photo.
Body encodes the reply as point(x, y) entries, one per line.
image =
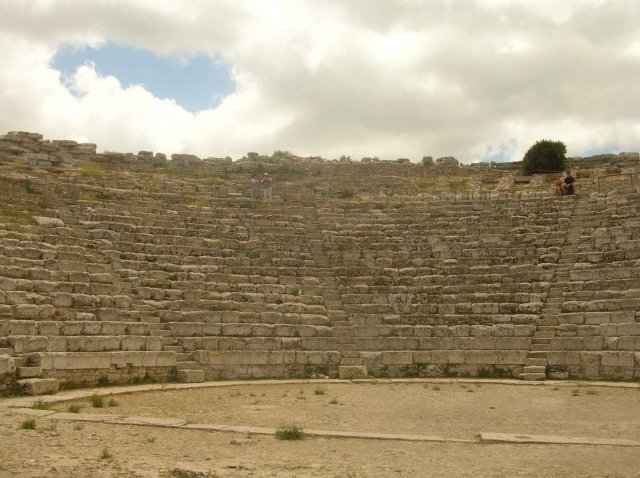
point(351, 363)
point(536, 362)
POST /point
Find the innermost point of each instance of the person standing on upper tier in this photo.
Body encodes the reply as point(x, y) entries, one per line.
point(267, 183)
point(255, 187)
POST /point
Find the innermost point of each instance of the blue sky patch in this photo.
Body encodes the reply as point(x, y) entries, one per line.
point(197, 83)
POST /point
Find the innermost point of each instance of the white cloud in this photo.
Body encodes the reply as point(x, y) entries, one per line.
point(401, 78)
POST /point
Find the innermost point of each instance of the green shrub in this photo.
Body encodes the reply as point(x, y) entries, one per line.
point(253, 255)
point(427, 160)
point(28, 424)
point(103, 381)
point(97, 401)
point(73, 408)
point(545, 156)
point(289, 432)
point(89, 169)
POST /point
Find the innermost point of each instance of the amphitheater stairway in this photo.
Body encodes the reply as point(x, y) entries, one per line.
point(536, 362)
point(351, 364)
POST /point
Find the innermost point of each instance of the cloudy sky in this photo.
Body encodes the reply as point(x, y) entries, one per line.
point(476, 79)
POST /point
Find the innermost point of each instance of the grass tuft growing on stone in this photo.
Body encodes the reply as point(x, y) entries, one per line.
point(40, 405)
point(73, 408)
point(319, 391)
point(289, 432)
point(28, 424)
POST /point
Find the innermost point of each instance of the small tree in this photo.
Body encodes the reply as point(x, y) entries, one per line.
point(427, 160)
point(545, 156)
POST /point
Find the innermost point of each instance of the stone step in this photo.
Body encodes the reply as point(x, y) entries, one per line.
point(173, 348)
point(534, 369)
point(535, 362)
point(532, 376)
point(537, 354)
point(544, 334)
point(540, 341)
point(187, 365)
point(184, 356)
point(349, 354)
point(6, 350)
point(540, 347)
point(29, 372)
point(351, 361)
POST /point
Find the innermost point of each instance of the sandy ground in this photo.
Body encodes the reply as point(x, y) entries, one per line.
point(72, 449)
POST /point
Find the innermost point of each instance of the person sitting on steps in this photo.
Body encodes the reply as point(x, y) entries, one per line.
point(567, 184)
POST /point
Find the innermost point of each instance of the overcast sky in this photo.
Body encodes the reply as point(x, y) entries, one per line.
point(475, 79)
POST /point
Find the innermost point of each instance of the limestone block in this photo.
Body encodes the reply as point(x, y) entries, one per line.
point(629, 329)
point(191, 343)
point(210, 343)
point(48, 328)
point(72, 328)
point(153, 343)
point(190, 376)
point(92, 328)
point(57, 344)
point(530, 308)
point(29, 372)
point(131, 343)
point(422, 331)
point(422, 357)
point(504, 330)
point(209, 329)
point(397, 358)
point(137, 328)
point(623, 316)
point(350, 372)
point(35, 344)
point(254, 357)
point(275, 358)
point(132, 359)
point(512, 357)
point(48, 221)
point(7, 364)
point(165, 359)
point(114, 328)
point(237, 330)
point(592, 343)
point(556, 357)
point(609, 330)
point(512, 343)
point(27, 311)
point(39, 386)
point(20, 327)
point(524, 330)
point(573, 318)
point(459, 331)
point(591, 359)
point(610, 359)
point(481, 357)
point(484, 308)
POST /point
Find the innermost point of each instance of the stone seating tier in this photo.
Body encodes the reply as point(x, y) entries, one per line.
point(110, 256)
